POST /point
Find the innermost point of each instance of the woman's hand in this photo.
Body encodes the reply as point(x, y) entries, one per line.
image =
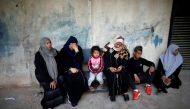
point(75, 48)
point(166, 81)
point(74, 70)
point(53, 84)
point(119, 68)
point(112, 69)
point(137, 79)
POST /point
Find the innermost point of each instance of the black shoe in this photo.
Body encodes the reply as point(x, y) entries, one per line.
point(126, 97)
point(162, 90)
point(74, 104)
point(112, 98)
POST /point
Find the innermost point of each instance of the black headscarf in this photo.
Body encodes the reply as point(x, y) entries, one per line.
point(71, 53)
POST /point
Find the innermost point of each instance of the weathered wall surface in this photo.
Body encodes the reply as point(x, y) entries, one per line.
point(24, 22)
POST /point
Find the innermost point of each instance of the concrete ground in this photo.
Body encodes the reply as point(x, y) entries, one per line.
point(29, 98)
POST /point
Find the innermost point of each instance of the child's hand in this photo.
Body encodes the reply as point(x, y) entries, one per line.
point(152, 69)
point(137, 79)
point(95, 74)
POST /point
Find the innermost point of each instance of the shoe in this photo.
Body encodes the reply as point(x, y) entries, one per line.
point(148, 89)
point(126, 97)
point(74, 104)
point(164, 90)
point(112, 98)
point(136, 94)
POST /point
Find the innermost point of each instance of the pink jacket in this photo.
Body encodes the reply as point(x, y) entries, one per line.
point(95, 65)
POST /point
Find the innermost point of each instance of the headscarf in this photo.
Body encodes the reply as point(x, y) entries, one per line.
point(170, 61)
point(123, 52)
point(48, 56)
point(70, 52)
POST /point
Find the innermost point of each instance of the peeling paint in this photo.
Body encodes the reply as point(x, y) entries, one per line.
point(95, 22)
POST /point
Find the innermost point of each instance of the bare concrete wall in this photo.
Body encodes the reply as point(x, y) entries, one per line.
point(24, 22)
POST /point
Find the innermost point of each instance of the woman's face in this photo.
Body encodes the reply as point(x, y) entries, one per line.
point(72, 45)
point(48, 44)
point(118, 45)
point(175, 53)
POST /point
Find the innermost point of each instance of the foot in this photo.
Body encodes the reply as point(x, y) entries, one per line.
point(112, 98)
point(148, 89)
point(74, 104)
point(92, 89)
point(136, 94)
point(126, 97)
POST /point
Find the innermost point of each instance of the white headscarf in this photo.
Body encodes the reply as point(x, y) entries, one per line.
point(115, 40)
point(48, 56)
point(170, 61)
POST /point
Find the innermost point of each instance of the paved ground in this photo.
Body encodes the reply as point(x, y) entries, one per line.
point(28, 98)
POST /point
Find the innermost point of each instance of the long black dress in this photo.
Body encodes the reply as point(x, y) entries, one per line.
point(51, 97)
point(175, 81)
point(118, 83)
point(76, 83)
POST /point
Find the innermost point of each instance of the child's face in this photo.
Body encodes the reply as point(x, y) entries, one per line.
point(137, 54)
point(96, 54)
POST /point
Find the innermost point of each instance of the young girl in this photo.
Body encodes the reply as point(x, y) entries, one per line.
point(95, 66)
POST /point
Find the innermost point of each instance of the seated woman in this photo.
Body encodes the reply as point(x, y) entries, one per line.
point(47, 73)
point(116, 58)
point(169, 67)
point(72, 59)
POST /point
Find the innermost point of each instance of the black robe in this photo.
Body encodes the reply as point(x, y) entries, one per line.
point(175, 81)
point(51, 97)
point(76, 83)
point(120, 82)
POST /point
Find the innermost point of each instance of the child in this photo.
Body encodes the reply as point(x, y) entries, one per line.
point(95, 66)
point(135, 67)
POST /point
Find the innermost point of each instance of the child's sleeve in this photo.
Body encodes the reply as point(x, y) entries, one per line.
point(147, 63)
point(91, 69)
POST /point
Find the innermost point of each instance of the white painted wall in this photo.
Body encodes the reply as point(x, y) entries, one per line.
point(93, 22)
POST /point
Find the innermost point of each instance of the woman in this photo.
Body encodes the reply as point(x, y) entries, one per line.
point(116, 58)
point(169, 67)
point(47, 73)
point(72, 59)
